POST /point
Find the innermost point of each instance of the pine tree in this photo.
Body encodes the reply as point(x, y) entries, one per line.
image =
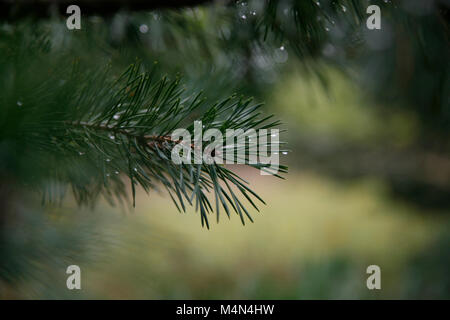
point(67, 125)
point(90, 112)
point(71, 118)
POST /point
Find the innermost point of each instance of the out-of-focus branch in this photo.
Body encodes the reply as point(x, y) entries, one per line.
point(14, 9)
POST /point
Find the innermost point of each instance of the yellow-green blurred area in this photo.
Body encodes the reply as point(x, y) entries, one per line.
point(333, 107)
point(314, 239)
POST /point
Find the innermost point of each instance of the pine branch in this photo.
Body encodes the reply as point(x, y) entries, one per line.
point(94, 129)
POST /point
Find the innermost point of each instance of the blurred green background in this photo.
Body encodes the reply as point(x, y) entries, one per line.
point(362, 189)
point(314, 239)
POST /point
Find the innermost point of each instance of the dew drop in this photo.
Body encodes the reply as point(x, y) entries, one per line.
point(116, 117)
point(112, 137)
point(81, 153)
point(284, 152)
point(143, 28)
point(19, 103)
point(244, 17)
point(108, 160)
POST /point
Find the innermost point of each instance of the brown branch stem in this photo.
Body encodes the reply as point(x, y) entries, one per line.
point(149, 140)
